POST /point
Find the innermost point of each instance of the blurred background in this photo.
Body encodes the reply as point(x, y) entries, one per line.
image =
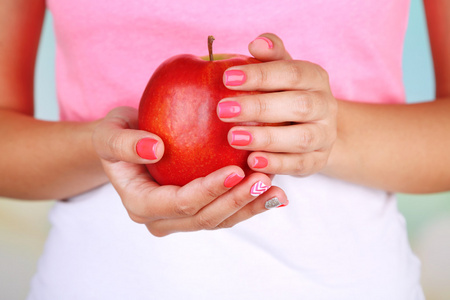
point(24, 225)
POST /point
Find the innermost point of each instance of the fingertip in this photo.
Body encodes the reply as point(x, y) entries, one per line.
point(258, 162)
point(234, 78)
point(227, 108)
point(146, 148)
point(274, 198)
point(150, 148)
point(239, 137)
point(233, 179)
point(260, 187)
point(268, 47)
point(276, 202)
point(262, 42)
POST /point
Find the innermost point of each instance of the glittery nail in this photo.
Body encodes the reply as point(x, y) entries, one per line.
point(273, 203)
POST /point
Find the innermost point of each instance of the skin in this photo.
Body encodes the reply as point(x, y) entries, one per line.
point(399, 148)
point(56, 160)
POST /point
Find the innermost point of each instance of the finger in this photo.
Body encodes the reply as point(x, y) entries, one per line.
point(132, 182)
point(116, 138)
point(219, 210)
point(298, 138)
point(268, 47)
point(277, 107)
point(277, 76)
point(273, 198)
point(288, 164)
point(168, 202)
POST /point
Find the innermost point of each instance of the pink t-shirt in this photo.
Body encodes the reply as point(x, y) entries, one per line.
point(335, 240)
point(107, 50)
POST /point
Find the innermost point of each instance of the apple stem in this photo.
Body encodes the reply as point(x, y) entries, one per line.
point(210, 43)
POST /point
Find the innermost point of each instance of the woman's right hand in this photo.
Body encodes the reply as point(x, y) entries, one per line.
point(219, 200)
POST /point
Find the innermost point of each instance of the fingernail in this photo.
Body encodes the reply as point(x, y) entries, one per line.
point(266, 40)
point(146, 148)
point(232, 180)
point(274, 203)
point(241, 138)
point(229, 109)
point(260, 162)
point(234, 77)
point(258, 188)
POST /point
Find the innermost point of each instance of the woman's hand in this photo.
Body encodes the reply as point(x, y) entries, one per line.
point(219, 200)
point(298, 94)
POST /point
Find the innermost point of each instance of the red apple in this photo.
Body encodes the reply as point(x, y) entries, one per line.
point(179, 105)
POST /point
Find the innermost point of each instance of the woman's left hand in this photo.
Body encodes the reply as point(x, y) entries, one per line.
point(296, 93)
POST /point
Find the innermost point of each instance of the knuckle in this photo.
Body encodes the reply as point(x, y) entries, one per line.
point(260, 106)
point(225, 225)
point(238, 202)
point(306, 167)
point(305, 140)
point(320, 164)
point(268, 140)
point(116, 145)
point(184, 208)
point(304, 106)
point(262, 77)
point(301, 167)
point(208, 190)
point(315, 166)
point(294, 73)
point(332, 106)
point(278, 166)
point(253, 210)
point(203, 222)
point(323, 74)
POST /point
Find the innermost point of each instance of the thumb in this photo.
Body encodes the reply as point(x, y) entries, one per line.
point(116, 138)
point(268, 47)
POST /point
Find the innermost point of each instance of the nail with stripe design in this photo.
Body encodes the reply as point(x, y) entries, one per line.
point(258, 188)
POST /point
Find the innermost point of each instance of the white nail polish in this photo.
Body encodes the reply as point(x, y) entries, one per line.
point(258, 188)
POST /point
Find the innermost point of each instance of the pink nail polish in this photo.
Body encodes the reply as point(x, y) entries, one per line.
point(232, 180)
point(260, 162)
point(266, 40)
point(229, 109)
point(146, 148)
point(234, 77)
point(241, 138)
point(258, 188)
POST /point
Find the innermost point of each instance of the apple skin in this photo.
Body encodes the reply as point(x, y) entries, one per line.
point(179, 105)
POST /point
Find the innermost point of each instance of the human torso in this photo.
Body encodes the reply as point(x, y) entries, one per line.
point(335, 240)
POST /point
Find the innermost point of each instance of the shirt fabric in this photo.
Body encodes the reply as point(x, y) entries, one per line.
point(335, 240)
